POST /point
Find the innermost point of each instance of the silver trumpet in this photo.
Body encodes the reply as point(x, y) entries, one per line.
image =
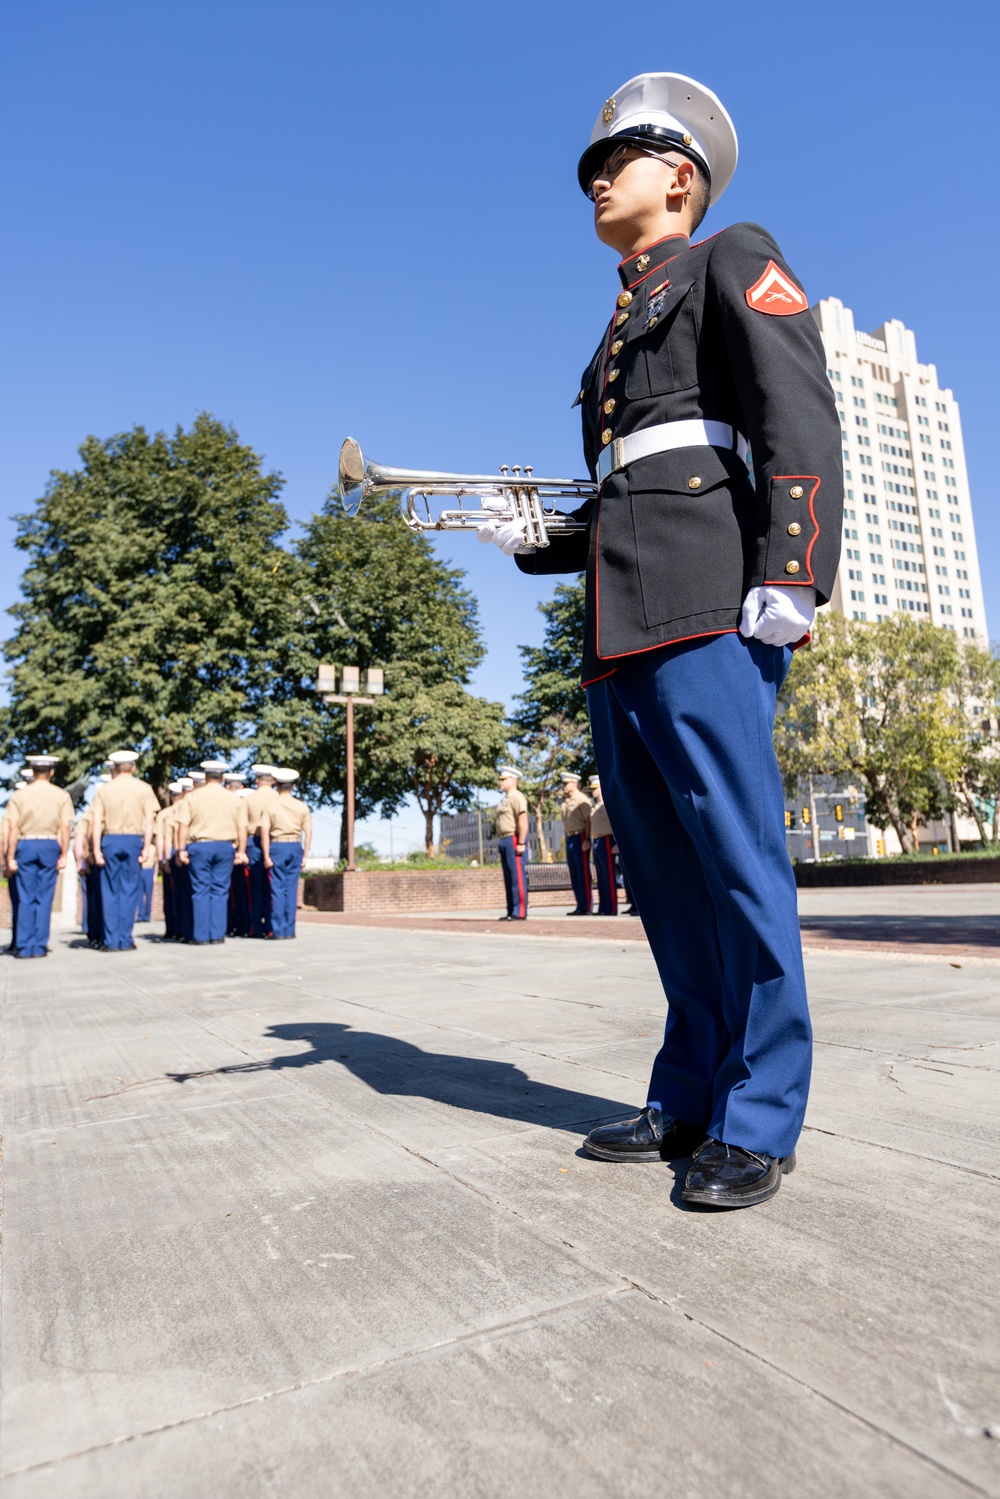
point(511, 496)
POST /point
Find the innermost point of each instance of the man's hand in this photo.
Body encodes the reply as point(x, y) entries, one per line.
point(99, 860)
point(183, 857)
point(61, 862)
point(12, 866)
point(268, 862)
point(144, 855)
point(508, 535)
point(241, 859)
point(519, 848)
point(776, 615)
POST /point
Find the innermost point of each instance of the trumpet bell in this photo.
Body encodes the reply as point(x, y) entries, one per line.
point(352, 476)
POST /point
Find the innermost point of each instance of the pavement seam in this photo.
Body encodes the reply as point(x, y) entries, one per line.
point(913, 1155)
point(353, 1371)
point(821, 1395)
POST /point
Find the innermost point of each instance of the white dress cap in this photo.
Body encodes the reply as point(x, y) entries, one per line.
point(666, 112)
point(176, 787)
point(104, 776)
point(20, 785)
point(196, 777)
point(262, 770)
point(42, 762)
point(214, 767)
point(233, 775)
point(185, 782)
point(285, 776)
point(509, 770)
point(122, 757)
point(569, 775)
point(595, 780)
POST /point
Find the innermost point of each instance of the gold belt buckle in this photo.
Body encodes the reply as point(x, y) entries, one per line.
point(617, 454)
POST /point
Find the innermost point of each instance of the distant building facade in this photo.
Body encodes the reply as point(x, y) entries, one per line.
point(909, 538)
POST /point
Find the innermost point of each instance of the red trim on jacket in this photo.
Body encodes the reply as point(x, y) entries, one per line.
point(786, 581)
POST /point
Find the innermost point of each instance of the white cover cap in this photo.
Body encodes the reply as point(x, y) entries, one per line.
point(122, 757)
point(214, 767)
point(667, 112)
point(570, 775)
point(196, 777)
point(284, 775)
point(41, 762)
point(509, 770)
point(184, 783)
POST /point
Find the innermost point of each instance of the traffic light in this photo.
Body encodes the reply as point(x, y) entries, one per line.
point(788, 818)
point(880, 847)
point(838, 812)
point(806, 817)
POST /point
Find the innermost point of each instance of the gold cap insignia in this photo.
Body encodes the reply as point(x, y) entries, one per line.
point(687, 139)
point(608, 112)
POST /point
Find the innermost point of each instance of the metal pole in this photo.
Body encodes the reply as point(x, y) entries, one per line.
point(479, 824)
point(812, 819)
point(349, 796)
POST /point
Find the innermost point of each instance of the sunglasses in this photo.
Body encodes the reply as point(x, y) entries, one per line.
point(617, 159)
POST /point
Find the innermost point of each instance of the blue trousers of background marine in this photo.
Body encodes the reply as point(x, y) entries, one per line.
point(239, 901)
point(183, 914)
point(36, 883)
point(120, 882)
point(210, 870)
point(260, 890)
point(515, 878)
point(144, 910)
point(683, 744)
point(169, 915)
point(285, 887)
point(607, 875)
point(12, 892)
point(95, 921)
point(578, 860)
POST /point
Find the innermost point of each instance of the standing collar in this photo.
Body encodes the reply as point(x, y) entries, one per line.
point(637, 267)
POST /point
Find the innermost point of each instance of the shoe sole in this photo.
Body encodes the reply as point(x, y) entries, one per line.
point(603, 1153)
point(739, 1199)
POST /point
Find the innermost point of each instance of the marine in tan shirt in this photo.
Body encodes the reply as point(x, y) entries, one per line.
point(125, 805)
point(285, 819)
point(575, 810)
point(576, 825)
point(212, 815)
point(511, 807)
point(257, 803)
point(512, 835)
point(39, 810)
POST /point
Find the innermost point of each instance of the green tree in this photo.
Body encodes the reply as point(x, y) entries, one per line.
point(552, 669)
point(977, 787)
point(877, 702)
point(153, 608)
point(444, 741)
point(369, 593)
point(550, 725)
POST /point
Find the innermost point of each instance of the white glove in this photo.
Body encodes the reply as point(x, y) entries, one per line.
point(508, 535)
point(776, 615)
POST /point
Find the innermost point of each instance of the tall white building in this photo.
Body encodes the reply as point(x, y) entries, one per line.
point(909, 540)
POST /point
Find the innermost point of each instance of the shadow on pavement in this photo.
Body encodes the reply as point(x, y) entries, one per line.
point(394, 1067)
point(922, 930)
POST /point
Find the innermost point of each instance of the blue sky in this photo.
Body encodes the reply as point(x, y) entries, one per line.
point(316, 219)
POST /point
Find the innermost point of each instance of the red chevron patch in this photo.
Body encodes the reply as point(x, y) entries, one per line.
point(776, 294)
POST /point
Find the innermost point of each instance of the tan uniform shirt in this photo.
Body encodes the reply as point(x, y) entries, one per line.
point(600, 822)
point(286, 819)
point(40, 810)
point(215, 815)
point(255, 804)
point(509, 808)
point(125, 803)
point(575, 813)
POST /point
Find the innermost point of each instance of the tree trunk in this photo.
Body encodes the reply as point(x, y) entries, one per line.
point(900, 829)
point(543, 847)
point(343, 839)
point(429, 832)
point(915, 832)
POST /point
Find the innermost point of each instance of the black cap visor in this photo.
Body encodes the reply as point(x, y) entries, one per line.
point(650, 137)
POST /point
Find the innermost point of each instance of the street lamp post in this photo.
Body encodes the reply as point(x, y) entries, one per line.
point(348, 679)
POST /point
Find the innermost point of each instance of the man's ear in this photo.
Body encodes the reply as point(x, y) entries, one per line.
point(681, 183)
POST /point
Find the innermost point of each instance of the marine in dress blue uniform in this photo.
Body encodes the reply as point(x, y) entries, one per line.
point(602, 843)
point(211, 837)
point(710, 427)
point(260, 877)
point(38, 823)
point(239, 882)
point(512, 842)
point(575, 811)
point(123, 810)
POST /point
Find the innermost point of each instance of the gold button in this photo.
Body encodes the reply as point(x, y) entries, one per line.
point(617, 346)
point(609, 406)
point(620, 319)
point(642, 262)
point(652, 322)
point(687, 139)
point(796, 491)
point(606, 436)
point(791, 567)
point(624, 298)
point(794, 529)
point(581, 395)
point(694, 482)
point(613, 375)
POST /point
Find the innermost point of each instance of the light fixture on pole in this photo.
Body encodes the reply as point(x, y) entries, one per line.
point(330, 678)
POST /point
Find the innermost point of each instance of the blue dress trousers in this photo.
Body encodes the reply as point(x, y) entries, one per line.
point(607, 879)
point(514, 877)
point(144, 910)
point(260, 890)
point(120, 885)
point(36, 882)
point(287, 859)
point(210, 870)
point(578, 860)
point(683, 741)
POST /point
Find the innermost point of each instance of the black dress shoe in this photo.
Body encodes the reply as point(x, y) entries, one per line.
point(651, 1136)
point(505, 918)
point(727, 1176)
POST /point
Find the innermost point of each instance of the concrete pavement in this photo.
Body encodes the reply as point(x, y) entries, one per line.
point(310, 1219)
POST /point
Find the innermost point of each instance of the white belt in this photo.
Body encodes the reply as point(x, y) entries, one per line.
point(695, 433)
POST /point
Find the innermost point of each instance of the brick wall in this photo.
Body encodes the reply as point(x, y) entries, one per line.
point(423, 890)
